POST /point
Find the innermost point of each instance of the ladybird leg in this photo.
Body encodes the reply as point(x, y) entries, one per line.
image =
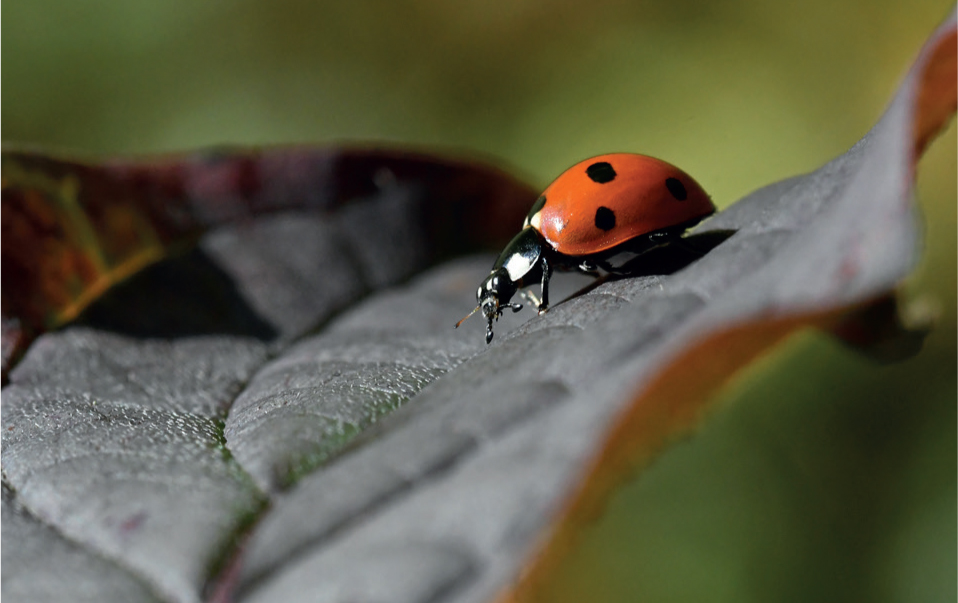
point(588, 268)
point(661, 238)
point(530, 297)
point(546, 275)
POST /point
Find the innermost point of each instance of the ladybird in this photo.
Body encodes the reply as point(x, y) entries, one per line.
point(620, 204)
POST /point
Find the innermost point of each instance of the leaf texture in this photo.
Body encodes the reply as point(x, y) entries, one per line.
point(284, 413)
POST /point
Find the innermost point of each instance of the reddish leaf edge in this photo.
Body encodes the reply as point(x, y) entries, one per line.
point(671, 406)
point(75, 228)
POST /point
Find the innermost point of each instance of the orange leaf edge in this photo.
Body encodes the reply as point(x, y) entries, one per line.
point(672, 405)
point(668, 409)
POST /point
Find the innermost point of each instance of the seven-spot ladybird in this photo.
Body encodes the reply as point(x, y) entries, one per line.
point(597, 210)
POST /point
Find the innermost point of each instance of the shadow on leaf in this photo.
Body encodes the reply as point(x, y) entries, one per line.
point(178, 297)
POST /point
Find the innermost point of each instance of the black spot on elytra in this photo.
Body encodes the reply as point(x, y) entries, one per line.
point(677, 189)
point(539, 204)
point(604, 218)
point(600, 172)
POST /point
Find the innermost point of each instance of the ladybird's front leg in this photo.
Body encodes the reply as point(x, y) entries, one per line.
point(515, 307)
point(546, 275)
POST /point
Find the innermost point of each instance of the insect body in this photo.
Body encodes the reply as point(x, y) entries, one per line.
point(597, 210)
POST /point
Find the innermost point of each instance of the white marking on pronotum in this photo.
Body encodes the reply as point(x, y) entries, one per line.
point(518, 266)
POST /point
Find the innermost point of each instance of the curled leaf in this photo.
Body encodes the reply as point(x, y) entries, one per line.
point(72, 229)
point(835, 274)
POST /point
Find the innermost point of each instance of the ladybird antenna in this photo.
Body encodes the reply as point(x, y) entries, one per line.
point(467, 316)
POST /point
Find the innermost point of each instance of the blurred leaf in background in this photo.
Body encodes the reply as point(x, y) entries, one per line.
point(826, 476)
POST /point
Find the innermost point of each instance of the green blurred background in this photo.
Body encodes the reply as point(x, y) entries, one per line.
point(823, 477)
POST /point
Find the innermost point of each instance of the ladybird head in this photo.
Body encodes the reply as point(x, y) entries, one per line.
point(498, 288)
point(519, 258)
point(493, 297)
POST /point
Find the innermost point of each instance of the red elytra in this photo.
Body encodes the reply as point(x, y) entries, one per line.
point(640, 194)
point(602, 207)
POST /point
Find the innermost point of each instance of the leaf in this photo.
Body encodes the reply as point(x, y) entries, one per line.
point(834, 274)
point(310, 447)
point(113, 429)
point(33, 549)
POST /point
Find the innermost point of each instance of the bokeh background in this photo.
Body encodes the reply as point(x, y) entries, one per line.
point(823, 476)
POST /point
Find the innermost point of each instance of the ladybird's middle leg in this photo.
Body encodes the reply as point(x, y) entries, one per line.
point(588, 268)
point(530, 297)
